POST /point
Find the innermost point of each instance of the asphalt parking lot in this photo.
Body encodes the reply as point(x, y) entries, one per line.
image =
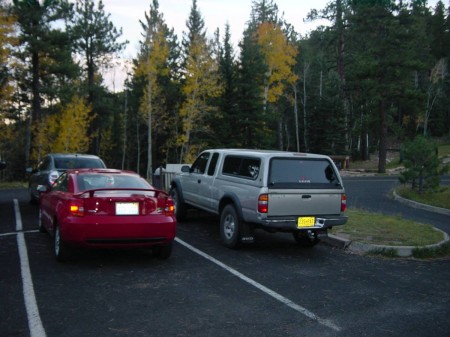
point(270, 288)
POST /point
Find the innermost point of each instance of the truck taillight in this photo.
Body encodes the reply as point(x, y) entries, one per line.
point(343, 202)
point(76, 207)
point(263, 203)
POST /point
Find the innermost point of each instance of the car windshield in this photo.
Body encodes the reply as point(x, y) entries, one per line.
point(302, 173)
point(77, 162)
point(95, 181)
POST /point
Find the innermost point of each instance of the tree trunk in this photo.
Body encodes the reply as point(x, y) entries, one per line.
point(124, 145)
point(382, 147)
point(341, 70)
point(149, 136)
point(297, 136)
point(305, 113)
point(35, 107)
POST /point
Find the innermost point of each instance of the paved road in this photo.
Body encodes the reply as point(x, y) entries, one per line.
point(271, 288)
point(374, 194)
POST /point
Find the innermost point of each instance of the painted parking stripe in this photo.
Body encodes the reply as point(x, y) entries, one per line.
point(264, 289)
point(34, 319)
point(15, 233)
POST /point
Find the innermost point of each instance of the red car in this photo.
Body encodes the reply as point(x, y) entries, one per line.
point(105, 208)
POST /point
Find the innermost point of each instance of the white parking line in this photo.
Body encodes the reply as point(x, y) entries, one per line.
point(34, 319)
point(15, 233)
point(264, 289)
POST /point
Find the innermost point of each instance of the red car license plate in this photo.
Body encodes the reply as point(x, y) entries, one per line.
point(127, 208)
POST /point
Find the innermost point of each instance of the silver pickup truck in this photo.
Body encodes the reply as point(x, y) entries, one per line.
point(272, 190)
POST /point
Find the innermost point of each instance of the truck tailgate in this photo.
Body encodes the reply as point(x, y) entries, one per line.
point(304, 202)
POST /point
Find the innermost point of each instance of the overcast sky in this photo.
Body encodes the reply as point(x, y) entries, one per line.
point(126, 14)
point(215, 13)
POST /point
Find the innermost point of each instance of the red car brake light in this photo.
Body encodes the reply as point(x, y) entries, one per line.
point(76, 207)
point(169, 208)
point(343, 202)
point(165, 204)
point(263, 203)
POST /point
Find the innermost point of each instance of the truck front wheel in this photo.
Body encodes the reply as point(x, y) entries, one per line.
point(230, 226)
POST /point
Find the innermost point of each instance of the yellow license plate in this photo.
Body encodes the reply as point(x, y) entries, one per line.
point(306, 221)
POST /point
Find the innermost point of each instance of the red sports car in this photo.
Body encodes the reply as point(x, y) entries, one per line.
point(105, 208)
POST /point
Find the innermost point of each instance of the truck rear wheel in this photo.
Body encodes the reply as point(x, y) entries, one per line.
point(230, 226)
point(180, 206)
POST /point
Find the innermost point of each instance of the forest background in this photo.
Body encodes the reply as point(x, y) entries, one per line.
point(377, 74)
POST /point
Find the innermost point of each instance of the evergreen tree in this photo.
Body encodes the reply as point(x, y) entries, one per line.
point(96, 42)
point(201, 85)
point(422, 165)
point(226, 128)
point(8, 40)
point(252, 127)
point(153, 66)
point(45, 52)
point(384, 57)
point(155, 85)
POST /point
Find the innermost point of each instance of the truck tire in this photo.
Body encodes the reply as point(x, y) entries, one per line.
point(230, 227)
point(180, 206)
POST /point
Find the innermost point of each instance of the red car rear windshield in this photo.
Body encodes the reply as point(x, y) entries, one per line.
point(94, 181)
point(78, 162)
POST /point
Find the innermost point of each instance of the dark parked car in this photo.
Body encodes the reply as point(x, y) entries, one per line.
point(2, 164)
point(53, 164)
point(105, 208)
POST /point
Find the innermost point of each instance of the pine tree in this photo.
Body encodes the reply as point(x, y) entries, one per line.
point(201, 84)
point(96, 42)
point(8, 40)
point(45, 52)
point(226, 128)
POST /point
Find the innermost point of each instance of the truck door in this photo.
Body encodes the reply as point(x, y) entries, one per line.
point(194, 179)
point(205, 184)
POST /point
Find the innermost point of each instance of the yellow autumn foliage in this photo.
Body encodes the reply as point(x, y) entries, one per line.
point(202, 82)
point(280, 59)
point(65, 132)
point(8, 40)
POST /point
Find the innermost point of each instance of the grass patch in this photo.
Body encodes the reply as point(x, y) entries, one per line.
point(386, 252)
point(428, 253)
point(379, 229)
point(438, 198)
point(13, 185)
point(444, 150)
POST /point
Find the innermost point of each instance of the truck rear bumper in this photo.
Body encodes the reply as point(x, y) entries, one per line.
point(321, 222)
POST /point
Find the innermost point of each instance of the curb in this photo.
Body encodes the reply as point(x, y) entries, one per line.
point(419, 205)
point(366, 248)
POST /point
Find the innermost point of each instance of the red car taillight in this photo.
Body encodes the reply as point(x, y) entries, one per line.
point(343, 202)
point(169, 208)
point(165, 205)
point(263, 203)
point(76, 207)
